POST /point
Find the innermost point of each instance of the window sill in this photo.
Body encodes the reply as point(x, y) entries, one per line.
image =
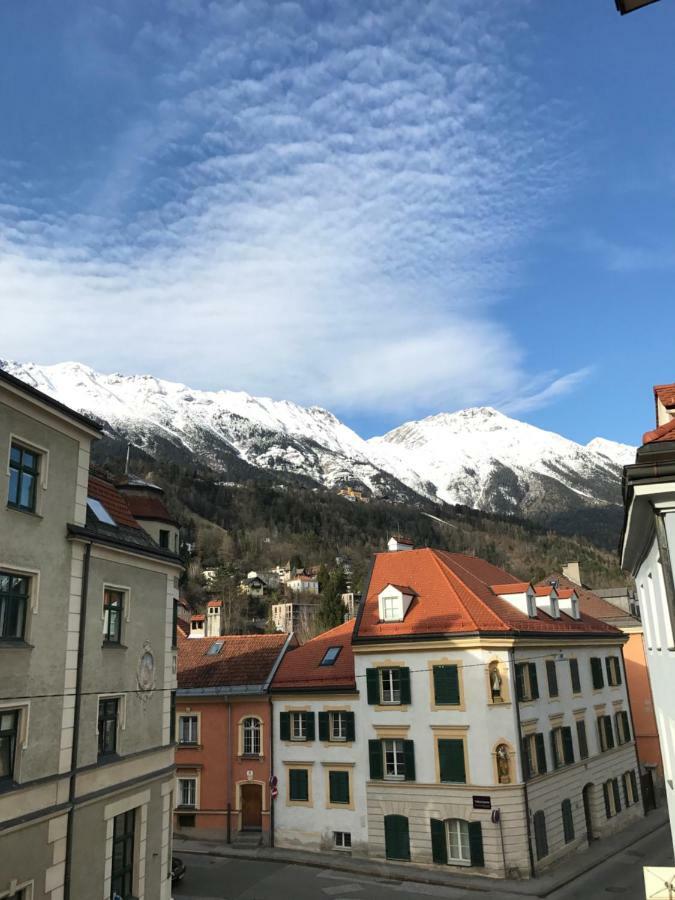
point(7, 785)
point(12, 644)
point(182, 808)
point(25, 512)
point(188, 745)
point(104, 759)
point(251, 756)
point(113, 645)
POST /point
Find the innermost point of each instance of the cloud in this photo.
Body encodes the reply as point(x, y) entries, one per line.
point(557, 388)
point(324, 209)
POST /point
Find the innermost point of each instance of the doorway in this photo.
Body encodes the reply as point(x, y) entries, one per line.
point(396, 837)
point(588, 811)
point(251, 807)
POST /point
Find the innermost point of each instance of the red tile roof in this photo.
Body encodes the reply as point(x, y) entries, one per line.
point(516, 587)
point(197, 618)
point(301, 668)
point(666, 394)
point(454, 596)
point(245, 659)
point(114, 503)
point(149, 508)
point(543, 590)
point(403, 588)
point(589, 603)
point(665, 432)
point(215, 603)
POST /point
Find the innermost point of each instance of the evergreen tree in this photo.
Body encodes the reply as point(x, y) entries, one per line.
point(331, 610)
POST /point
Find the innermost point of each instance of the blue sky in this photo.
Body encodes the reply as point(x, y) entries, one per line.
point(386, 208)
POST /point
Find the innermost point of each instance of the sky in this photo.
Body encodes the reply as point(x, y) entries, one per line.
point(389, 209)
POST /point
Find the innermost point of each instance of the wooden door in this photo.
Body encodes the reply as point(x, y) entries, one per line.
point(251, 807)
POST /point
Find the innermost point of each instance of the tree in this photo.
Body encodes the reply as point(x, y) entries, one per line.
point(331, 610)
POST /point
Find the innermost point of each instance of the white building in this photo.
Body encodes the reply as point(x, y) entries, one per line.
point(293, 616)
point(322, 790)
point(214, 618)
point(648, 552)
point(197, 626)
point(303, 584)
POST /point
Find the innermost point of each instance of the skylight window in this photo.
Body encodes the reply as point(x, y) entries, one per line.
point(215, 648)
point(330, 656)
point(100, 512)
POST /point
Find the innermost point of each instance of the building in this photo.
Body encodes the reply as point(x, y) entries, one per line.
point(303, 584)
point(293, 616)
point(637, 673)
point(223, 726)
point(322, 790)
point(214, 618)
point(648, 553)
point(351, 602)
point(478, 694)
point(253, 586)
point(197, 625)
point(87, 605)
point(145, 500)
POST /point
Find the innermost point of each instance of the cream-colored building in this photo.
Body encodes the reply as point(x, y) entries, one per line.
point(87, 606)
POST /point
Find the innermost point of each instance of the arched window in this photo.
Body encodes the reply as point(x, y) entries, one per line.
point(495, 676)
point(503, 758)
point(251, 742)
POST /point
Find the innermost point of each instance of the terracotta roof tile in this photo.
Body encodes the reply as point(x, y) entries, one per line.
point(301, 668)
point(149, 508)
point(666, 394)
point(665, 432)
point(115, 504)
point(244, 659)
point(515, 587)
point(589, 603)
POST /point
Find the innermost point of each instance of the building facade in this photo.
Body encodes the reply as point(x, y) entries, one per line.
point(648, 553)
point(86, 624)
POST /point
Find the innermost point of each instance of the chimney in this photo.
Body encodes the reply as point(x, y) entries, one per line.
point(571, 570)
point(397, 542)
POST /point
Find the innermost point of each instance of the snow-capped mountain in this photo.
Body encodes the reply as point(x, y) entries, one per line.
point(476, 457)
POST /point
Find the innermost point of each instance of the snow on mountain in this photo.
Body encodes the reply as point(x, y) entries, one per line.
point(476, 457)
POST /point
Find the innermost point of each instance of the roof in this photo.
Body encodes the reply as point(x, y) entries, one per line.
point(244, 660)
point(665, 432)
point(454, 596)
point(403, 588)
point(516, 587)
point(198, 617)
point(149, 508)
point(116, 505)
point(666, 394)
point(215, 603)
point(301, 668)
point(49, 401)
point(592, 605)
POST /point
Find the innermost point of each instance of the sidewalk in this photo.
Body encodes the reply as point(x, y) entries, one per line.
point(541, 886)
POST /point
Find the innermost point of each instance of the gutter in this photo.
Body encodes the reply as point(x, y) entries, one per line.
point(516, 703)
point(76, 721)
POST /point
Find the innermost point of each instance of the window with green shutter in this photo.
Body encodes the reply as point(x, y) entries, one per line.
point(375, 757)
point(373, 686)
point(552, 678)
point(574, 676)
point(451, 764)
point(476, 844)
point(596, 673)
point(396, 837)
point(298, 785)
point(439, 847)
point(527, 686)
point(446, 685)
point(568, 821)
point(285, 726)
point(581, 739)
point(338, 786)
point(540, 836)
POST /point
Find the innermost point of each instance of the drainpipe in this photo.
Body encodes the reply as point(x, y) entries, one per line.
point(269, 786)
point(229, 773)
point(76, 722)
point(516, 702)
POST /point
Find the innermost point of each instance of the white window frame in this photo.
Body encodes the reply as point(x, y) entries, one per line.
point(43, 474)
point(254, 731)
point(387, 686)
point(394, 746)
point(186, 779)
point(193, 716)
point(338, 719)
point(461, 828)
point(342, 840)
point(298, 726)
point(615, 669)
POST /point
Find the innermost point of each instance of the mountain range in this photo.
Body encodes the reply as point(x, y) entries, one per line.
point(476, 457)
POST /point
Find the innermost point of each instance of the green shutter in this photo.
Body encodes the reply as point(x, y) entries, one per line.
point(574, 676)
point(534, 685)
point(609, 732)
point(451, 760)
point(376, 762)
point(446, 685)
point(373, 686)
point(605, 794)
point(351, 730)
point(617, 795)
point(581, 737)
point(520, 681)
point(285, 726)
point(568, 821)
point(405, 685)
point(324, 726)
point(568, 746)
point(298, 784)
point(541, 753)
point(310, 726)
point(626, 725)
point(552, 678)
point(409, 760)
point(540, 836)
point(527, 773)
point(476, 844)
point(633, 781)
point(626, 797)
point(619, 679)
point(396, 837)
point(596, 673)
point(338, 784)
point(439, 847)
point(554, 751)
point(608, 666)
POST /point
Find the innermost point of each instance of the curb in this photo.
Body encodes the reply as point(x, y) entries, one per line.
point(531, 888)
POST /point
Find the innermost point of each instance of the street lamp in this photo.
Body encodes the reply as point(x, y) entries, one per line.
point(626, 6)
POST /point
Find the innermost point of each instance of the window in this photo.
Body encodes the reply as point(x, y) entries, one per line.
point(172, 717)
point(251, 742)
point(622, 727)
point(451, 760)
point(613, 667)
point(606, 735)
point(174, 624)
point(121, 880)
point(446, 686)
point(338, 726)
point(100, 512)
point(338, 787)
point(391, 685)
point(187, 791)
point(188, 730)
point(298, 785)
point(24, 469)
point(534, 755)
point(568, 821)
point(188, 821)
point(540, 836)
point(329, 657)
point(495, 677)
point(215, 648)
point(456, 842)
point(630, 788)
point(552, 678)
point(581, 738)
point(574, 676)
point(396, 837)
point(391, 608)
point(298, 726)
point(596, 673)
point(9, 729)
point(163, 539)
point(342, 840)
point(14, 591)
point(527, 687)
point(612, 797)
point(107, 726)
point(561, 747)
point(113, 607)
point(394, 760)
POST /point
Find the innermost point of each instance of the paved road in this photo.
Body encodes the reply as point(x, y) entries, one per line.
point(214, 878)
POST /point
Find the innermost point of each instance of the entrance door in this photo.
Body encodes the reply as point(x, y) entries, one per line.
point(396, 837)
point(588, 811)
point(251, 807)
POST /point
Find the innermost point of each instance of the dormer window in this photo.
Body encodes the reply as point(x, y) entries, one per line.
point(391, 608)
point(393, 602)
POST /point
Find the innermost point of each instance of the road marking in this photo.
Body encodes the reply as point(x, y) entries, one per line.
point(341, 888)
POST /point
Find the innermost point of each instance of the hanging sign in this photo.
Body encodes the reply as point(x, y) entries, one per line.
point(482, 802)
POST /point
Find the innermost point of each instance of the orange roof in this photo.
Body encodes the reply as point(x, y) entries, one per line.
point(665, 432)
point(301, 668)
point(197, 618)
point(215, 603)
point(543, 590)
point(454, 596)
point(244, 659)
point(589, 603)
point(114, 503)
point(149, 508)
point(666, 394)
point(516, 587)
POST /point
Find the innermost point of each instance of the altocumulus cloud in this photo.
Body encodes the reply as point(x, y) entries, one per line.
point(317, 201)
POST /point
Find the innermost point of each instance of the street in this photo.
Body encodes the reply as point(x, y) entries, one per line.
point(215, 878)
